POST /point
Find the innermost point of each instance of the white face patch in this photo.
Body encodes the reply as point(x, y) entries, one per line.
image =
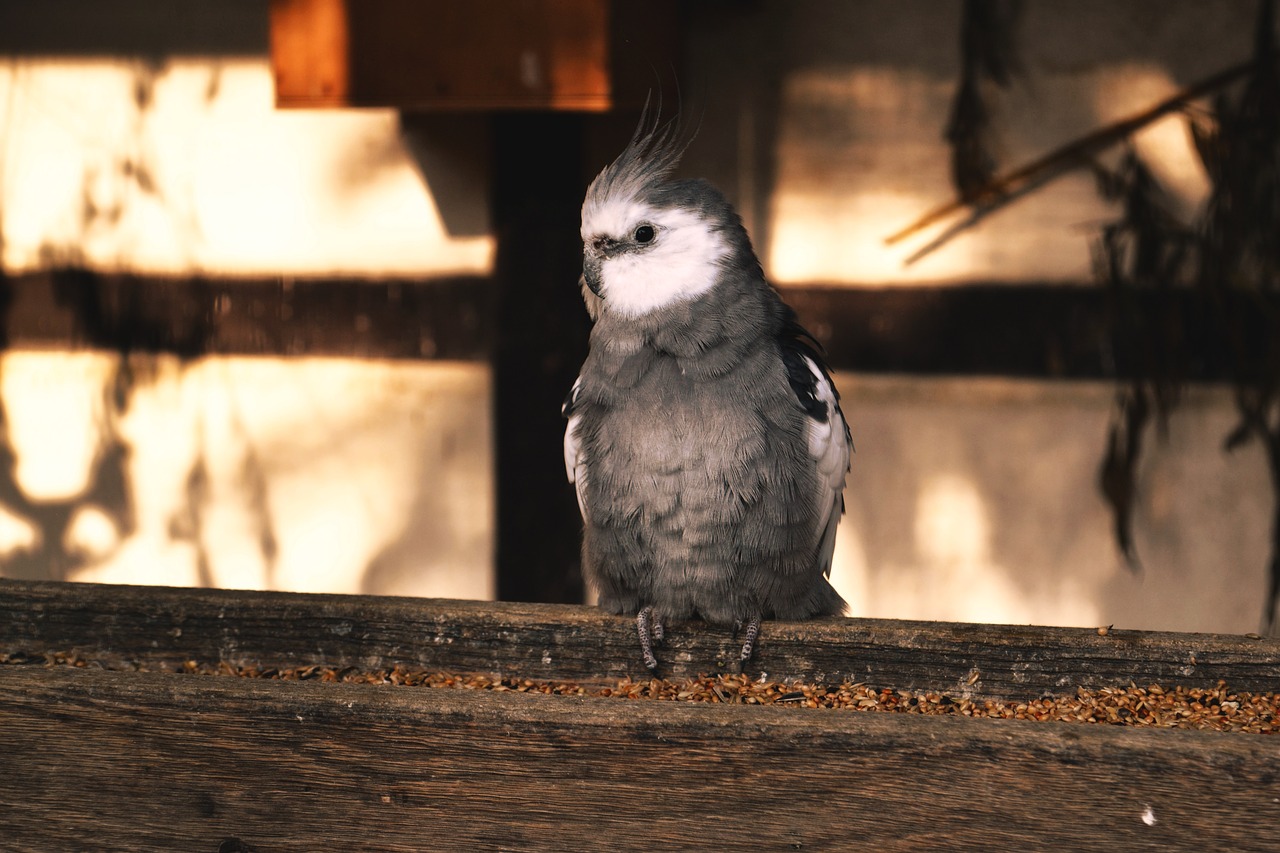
point(682, 262)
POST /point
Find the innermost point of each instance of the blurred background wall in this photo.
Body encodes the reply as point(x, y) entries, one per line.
point(140, 140)
point(323, 348)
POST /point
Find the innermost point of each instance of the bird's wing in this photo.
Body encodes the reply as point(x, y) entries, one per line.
point(829, 448)
point(827, 433)
point(574, 464)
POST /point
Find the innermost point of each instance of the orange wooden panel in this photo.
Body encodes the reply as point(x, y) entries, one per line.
point(435, 54)
point(309, 52)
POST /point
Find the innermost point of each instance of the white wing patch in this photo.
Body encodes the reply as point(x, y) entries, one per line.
point(574, 465)
point(829, 449)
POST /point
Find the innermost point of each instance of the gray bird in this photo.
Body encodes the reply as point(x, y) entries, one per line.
point(705, 438)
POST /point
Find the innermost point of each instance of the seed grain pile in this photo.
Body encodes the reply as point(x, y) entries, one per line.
point(1217, 708)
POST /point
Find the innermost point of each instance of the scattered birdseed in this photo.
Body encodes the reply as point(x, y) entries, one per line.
point(1217, 708)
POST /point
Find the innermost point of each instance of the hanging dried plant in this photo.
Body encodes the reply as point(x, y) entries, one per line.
point(1145, 249)
point(1240, 255)
point(1232, 254)
point(988, 57)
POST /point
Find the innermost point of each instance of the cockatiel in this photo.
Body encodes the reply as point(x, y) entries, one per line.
point(705, 438)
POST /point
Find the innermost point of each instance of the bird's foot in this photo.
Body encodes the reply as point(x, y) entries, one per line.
point(749, 639)
point(652, 632)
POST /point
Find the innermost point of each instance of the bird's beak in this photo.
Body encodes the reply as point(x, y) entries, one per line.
point(591, 267)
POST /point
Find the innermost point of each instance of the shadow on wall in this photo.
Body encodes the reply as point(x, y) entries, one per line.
point(976, 500)
point(185, 168)
point(76, 502)
point(304, 473)
point(332, 475)
point(833, 136)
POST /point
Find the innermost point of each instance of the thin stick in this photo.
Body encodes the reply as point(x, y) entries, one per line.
point(1078, 151)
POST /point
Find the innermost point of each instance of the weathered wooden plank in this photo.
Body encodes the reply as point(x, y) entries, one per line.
point(446, 318)
point(535, 55)
point(1036, 330)
point(114, 761)
point(157, 625)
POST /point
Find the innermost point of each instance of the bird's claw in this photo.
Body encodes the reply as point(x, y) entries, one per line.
point(749, 639)
point(651, 633)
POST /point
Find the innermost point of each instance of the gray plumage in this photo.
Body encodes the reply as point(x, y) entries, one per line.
point(705, 438)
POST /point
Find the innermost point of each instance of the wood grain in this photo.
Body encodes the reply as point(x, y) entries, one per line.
point(149, 761)
point(309, 52)
point(157, 625)
point(568, 55)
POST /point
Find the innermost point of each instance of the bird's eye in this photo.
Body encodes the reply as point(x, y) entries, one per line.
point(645, 234)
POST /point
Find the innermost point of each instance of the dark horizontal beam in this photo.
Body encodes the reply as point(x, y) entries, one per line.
point(1051, 331)
point(447, 318)
point(142, 28)
point(1046, 331)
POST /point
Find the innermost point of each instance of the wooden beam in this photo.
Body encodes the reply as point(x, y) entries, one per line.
point(1047, 331)
point(447, 318)
point(155, 30)
point(540, 342)
point(521, 54)
point(92, 757)
point(118, 760)
point(160, 626)
point(309, 52)
point(1071, 331)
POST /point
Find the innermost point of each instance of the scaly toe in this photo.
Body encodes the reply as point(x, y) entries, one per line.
point(644, 630)
point(749, 640)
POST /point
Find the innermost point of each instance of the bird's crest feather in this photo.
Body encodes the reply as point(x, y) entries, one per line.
point(648, 160)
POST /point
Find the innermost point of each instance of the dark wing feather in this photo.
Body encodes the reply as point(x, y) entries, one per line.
point(829, 443)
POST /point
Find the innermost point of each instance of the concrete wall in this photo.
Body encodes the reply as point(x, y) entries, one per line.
point(185, 167)
point(308, 474)
point(976, 500)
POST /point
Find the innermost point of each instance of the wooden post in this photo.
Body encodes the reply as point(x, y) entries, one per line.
point(541, 340)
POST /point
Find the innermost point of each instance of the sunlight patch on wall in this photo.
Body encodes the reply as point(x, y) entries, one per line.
point(823, 239)
point(852, 163)
point(861, 154)
point(952, 573)
point(977, 499)
point(951, 524)
point(187, 167)
point(850, 573)
point(17, 535)
point(1165, 146)
point(58, 413)
point(92, 534)
point(308, 474)
point(953, 547)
